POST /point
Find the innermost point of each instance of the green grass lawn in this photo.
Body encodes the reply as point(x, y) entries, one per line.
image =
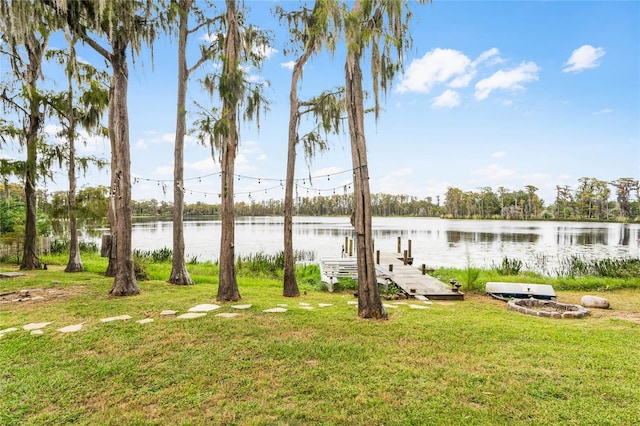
point(455, 363)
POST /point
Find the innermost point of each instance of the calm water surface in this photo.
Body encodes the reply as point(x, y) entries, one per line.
point(435, 242)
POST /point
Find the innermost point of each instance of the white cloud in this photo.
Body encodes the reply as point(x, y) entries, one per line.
point(91, 144)
point(206, 165)
point(211, 37)
point(52, 129)
point(397, 182)
point(463, 80)
point(584, 57)
point(507, 80)
point(141, 144)
point(326, 171)
point(264, 51)
point(491, 56)
point(163, 171)
point(85, 143)
point(603, 111)
point(449, 67)
point(499, 154)
point(168, 137)
point(436, 66)
point(405, 171)
point(448, 99)
point(494, 172)
point(288, 65)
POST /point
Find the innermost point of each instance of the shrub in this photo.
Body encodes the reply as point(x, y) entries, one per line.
point(509, 266)
point(140, 262)
point(471, 280)
point(57, 246)
point(88, 246)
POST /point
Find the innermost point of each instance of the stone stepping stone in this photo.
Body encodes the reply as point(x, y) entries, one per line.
point(11, 274)
point(279, 309)
point(145, 321)
point(324, 305)
point(70, 328)
point(241, 306)
point(412, 306)
point(386, 305)
point(37, 332)
point(227, 315)
point(36, 325)
point(167, 313)
point(190, 315)
point(352, 302)
point(118, 318)
point(304, 304)
point(282, 305)
point(307, 307)
point(8, 330)
point(206, 307)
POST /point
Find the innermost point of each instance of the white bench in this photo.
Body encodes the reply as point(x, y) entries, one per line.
point(332, 269)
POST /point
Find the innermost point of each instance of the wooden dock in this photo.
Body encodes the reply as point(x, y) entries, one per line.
point(413, 282)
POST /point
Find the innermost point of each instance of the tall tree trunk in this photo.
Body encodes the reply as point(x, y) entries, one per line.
point(369, 303)
point(30, 259)
point(290, 288)
point(179, 274)
point(228, 286)
point(125, 283)
point(75, 263)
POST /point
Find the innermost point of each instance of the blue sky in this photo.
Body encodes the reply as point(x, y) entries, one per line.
point(508, 93)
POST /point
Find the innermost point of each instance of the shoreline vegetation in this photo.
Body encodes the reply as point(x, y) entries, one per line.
point(467, 362)
point(573, 274)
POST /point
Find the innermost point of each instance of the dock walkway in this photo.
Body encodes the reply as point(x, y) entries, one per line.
point(414, 283)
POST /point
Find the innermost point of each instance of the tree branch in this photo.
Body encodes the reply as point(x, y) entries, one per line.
point(195, 66)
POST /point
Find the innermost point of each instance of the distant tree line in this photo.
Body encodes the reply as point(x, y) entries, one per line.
point(593, 199)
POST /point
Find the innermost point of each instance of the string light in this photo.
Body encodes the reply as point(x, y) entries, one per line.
point(280, 184)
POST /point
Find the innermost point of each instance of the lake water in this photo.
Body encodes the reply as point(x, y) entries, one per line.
point(434, 242)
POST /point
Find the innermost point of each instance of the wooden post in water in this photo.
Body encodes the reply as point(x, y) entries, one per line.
point(399, 245)
point(391, 267)
point(424, 269)
point(350, 248)
point(377, 257)
point(346, 245)
point(405, 257)
point(409, 247)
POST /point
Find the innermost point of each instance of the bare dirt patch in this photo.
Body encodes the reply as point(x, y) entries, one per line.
point(39, 295)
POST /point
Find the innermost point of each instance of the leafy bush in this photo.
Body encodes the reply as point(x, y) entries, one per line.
point(140, 263)
point(57, 246)
point(470, 279)
point(88, 246)
point(509, 266)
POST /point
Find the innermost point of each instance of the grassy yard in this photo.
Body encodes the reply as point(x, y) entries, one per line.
point(470, 362)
